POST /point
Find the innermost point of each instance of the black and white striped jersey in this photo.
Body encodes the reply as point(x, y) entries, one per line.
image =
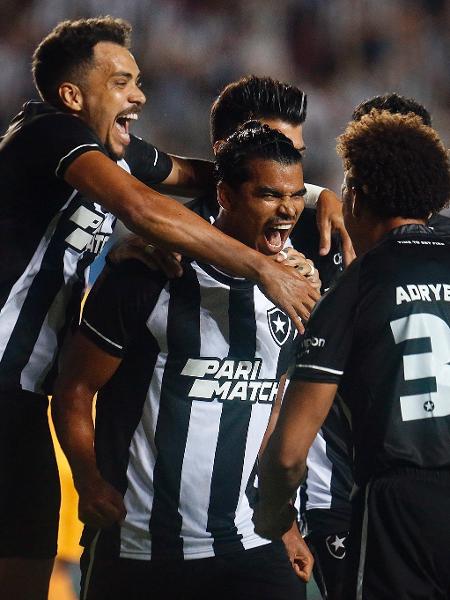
point(49, 235)
point(390, 351)
point(324, 496)
point(180, 423)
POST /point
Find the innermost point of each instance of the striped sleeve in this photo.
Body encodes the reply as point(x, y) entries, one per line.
point(326, 345)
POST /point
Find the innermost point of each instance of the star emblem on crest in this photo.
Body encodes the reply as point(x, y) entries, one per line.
point(336, 546)
point(279, 325)
point(429, 406)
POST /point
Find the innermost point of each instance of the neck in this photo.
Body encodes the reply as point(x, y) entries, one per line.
point(378, 229)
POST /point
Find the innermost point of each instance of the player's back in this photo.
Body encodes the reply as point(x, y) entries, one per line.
point(398, 376)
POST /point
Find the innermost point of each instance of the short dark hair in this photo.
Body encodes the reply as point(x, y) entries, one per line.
point(255, 98)
point(252, 141)
point(67, 50)
point(394, 104)
point(399, 164)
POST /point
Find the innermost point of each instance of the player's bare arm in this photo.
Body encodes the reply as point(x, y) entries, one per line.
point(189, 177)
point(283, 464)
point(302, 560)
point(298, 552)
point(100, 504)
point(168, 224)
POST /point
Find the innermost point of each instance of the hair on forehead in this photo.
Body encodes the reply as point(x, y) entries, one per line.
point(252, 141)
point(255, 98)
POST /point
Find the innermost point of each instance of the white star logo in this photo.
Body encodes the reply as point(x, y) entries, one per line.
point(338, 543)
point(429, 406)
point(279, 324)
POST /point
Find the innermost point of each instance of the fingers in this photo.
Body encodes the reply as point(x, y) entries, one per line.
point(324, 226)
point(168, 263)
point(289, 290)
point(101, 508)
point(153, 257)
point(302, 571)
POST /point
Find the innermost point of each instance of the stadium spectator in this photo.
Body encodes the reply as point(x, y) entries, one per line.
point(60, 182)
point(388, 354)
point(188, 371)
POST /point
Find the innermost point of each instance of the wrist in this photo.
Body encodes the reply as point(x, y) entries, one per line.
point(312, 195)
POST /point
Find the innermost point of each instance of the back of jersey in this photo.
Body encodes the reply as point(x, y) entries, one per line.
point(397, 374)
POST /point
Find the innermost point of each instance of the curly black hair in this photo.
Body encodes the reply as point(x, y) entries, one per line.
point(393, 103)
point(255, 97)
point(399, 164)
point(67, 50)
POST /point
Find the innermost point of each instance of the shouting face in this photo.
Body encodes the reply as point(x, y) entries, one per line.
point(111, 96)
point(262, 211)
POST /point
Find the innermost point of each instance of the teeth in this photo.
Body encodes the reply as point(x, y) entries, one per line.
point(281, 227)
point(129, 117)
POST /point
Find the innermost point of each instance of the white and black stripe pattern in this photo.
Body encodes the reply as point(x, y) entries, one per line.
point(190, 458)
point(44, 301)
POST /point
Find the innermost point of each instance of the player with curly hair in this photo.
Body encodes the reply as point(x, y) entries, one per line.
point(388, 354)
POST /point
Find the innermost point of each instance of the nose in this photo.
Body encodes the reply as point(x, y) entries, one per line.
point(137, 96)
point(288, 207)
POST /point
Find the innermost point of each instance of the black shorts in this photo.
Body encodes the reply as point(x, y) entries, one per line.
point(262, 573)
point(329, 553)
point(400, 538)
point(29, 483)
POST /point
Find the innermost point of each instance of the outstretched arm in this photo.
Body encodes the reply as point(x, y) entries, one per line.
point(170, 225)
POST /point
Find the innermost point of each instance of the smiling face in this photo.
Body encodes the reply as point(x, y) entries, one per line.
point(262, 211)
point(111, 96)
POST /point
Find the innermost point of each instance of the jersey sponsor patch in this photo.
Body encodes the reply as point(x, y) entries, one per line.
point(228, 379)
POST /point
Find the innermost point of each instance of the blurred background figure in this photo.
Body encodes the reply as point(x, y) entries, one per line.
point(339, 51)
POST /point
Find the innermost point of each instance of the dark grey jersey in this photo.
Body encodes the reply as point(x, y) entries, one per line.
point(389, 350)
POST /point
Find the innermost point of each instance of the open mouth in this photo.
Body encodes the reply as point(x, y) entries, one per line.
point(276, 236)
point(123, 125)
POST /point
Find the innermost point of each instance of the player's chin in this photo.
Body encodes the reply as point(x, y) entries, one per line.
point(116, 150)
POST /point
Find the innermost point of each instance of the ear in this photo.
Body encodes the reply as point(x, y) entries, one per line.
point(355, 203)
point(224, 196)
point(216, 146)
point(71, 96)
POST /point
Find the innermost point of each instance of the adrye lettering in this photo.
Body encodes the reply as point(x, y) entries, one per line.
point(425, 292)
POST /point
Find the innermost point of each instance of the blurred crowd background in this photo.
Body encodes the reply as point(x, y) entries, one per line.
point(338, 51)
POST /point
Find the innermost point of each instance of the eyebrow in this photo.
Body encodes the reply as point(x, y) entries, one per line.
point(269, 190)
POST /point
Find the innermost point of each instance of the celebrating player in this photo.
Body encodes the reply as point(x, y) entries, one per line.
point(388, 353)
point(188, 371)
